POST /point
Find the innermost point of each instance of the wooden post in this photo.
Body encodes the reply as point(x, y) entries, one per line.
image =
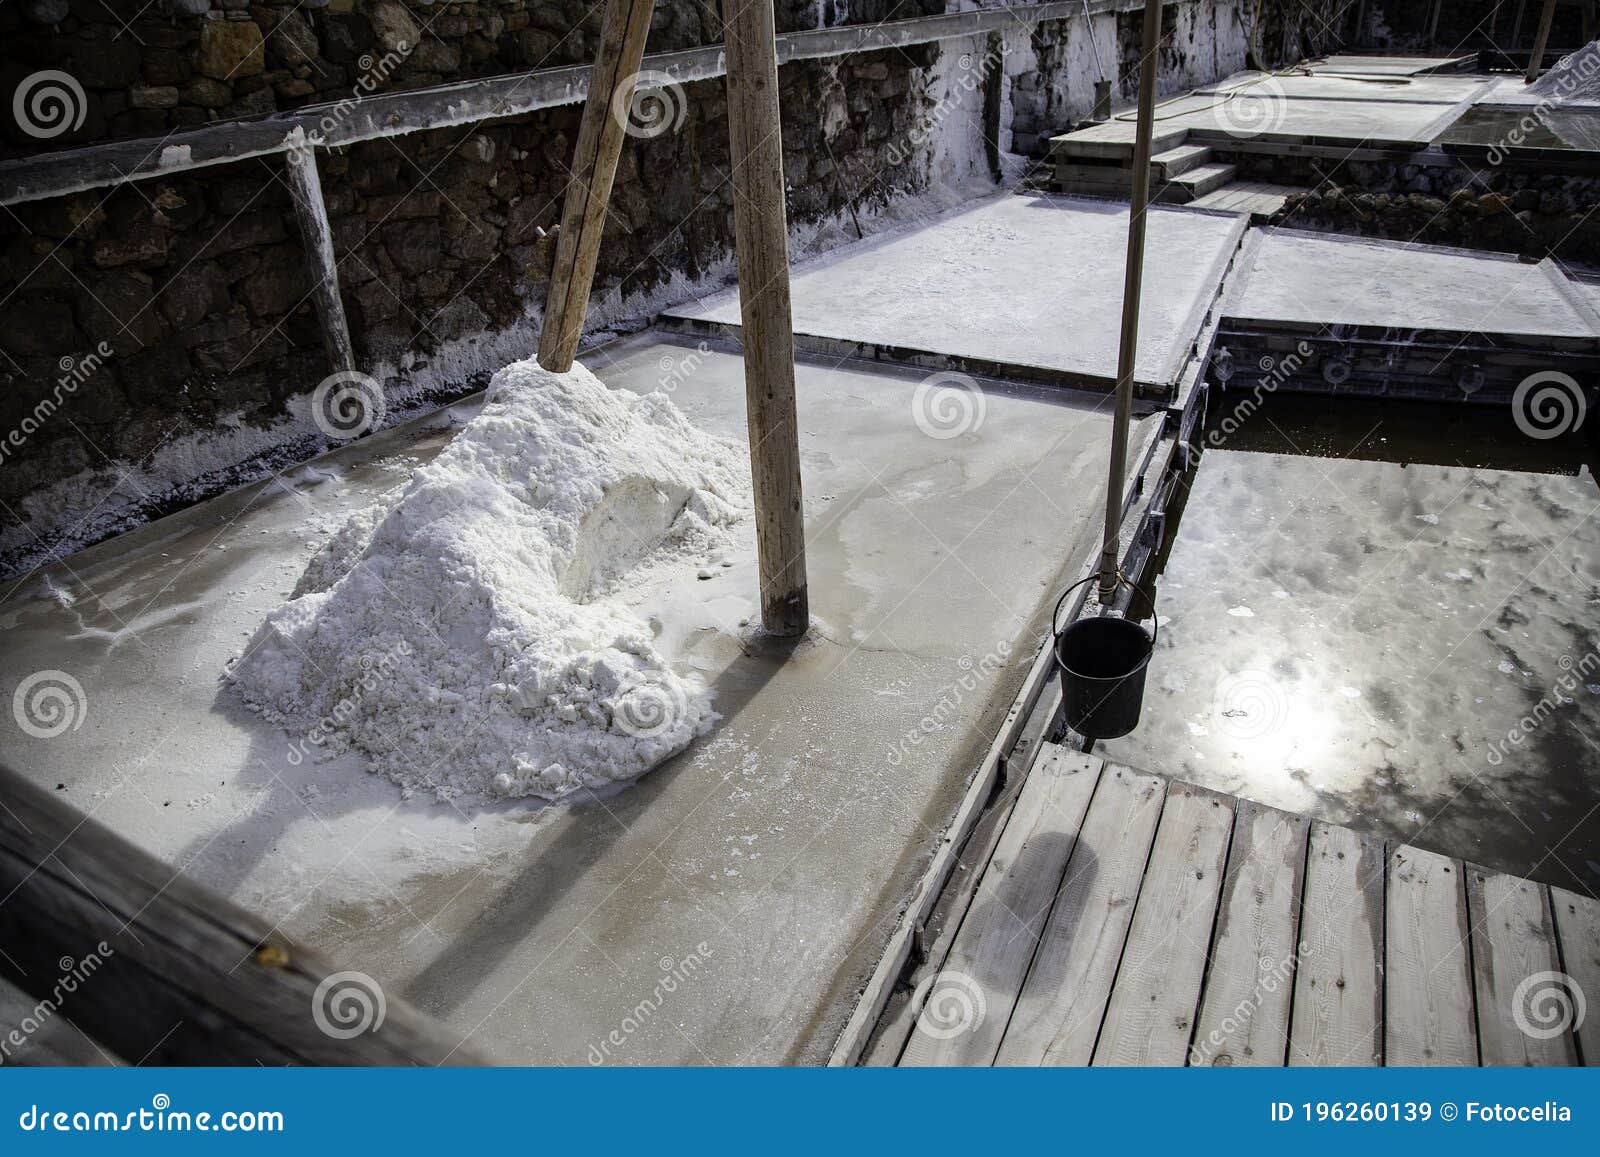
point(300, 164)
point(761, 238)
point(162, 970)
point(1132, 283)
point(1540, 39)
point(623, 29)
point(1433, 23)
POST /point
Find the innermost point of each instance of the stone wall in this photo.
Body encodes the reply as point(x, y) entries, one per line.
point(161, 342)
point(1535, 215)
point(146, 67)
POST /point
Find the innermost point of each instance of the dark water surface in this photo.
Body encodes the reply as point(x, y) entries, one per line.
point(1387, 615)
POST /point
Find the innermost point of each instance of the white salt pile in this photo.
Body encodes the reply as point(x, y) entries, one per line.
point(1575, 78)
point(460, 634)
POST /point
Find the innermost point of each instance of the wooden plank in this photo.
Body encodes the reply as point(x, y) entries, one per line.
point(1002, 927)
point(166, 971)
point(761, 242)
point(393, 114)
point(1516, 971)
point(1428, 1018)
point(1338, 992)
point(1150, 1018)
point(1063, 1000)
point(601, 134)
point(1244, 1015)
point(1577, 921)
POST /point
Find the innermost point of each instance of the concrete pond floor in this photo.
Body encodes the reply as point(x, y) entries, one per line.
point(742, 891)
point(1387, 615)
point(1021, 280)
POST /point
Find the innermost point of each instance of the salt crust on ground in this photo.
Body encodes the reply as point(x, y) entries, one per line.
point(463, 633)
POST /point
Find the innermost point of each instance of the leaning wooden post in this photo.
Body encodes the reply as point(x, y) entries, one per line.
point(1540, 39)
point(1133, 276)
point(300, 164)
point(761, 238)
point(623, 29)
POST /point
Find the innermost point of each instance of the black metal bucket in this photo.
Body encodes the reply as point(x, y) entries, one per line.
point(1103, 662)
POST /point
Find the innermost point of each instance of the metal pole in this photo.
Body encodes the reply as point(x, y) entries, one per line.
point(1132, 280)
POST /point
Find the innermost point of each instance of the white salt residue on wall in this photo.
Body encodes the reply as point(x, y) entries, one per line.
point(467, 635)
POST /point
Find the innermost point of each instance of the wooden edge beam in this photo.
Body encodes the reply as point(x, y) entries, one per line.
point(162, 970)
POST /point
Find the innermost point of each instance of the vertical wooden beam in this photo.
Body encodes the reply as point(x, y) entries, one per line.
point(761, 238)
point(1540, 39)
point(623, 29)
point(300, 164)
point(1433, 23)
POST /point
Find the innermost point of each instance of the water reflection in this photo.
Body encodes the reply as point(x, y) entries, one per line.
point(1384, 614)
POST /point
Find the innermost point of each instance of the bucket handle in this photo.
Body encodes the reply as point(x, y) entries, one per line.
point(1122, 580)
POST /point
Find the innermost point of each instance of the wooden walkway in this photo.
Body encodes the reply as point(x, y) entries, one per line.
point(1127, 919)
